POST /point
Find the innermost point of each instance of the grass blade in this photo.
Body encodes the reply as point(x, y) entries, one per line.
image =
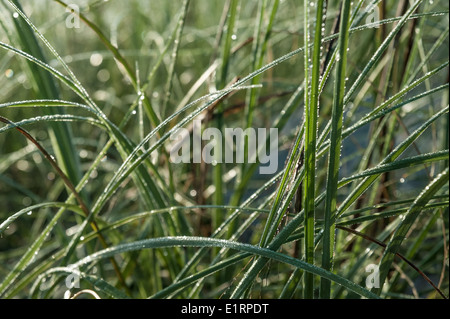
point(335, 149)
point(311, 111)
point(209, 242)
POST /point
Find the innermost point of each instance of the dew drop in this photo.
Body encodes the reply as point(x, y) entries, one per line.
point(83, 154)
point(9, 73)
point(96, 59)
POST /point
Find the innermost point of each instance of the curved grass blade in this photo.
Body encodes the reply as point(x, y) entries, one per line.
point(11, 219)
point(387, 214)
point(45, 103)
point(52, 119)
point(209, 242)
point(399, 164)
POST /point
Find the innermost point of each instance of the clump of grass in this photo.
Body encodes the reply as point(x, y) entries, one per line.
point(362, 111)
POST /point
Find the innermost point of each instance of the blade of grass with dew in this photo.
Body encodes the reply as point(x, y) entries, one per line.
point(387, 214)
point(389, 204)
point(209, 242)
point(52, 119)
point(45, 103)
point(335, 149)
point(11, 219)
point(311, 113)
point(399, 164)
point(411, 264)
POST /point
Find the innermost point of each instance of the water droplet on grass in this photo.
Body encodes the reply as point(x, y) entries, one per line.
point(9, 73)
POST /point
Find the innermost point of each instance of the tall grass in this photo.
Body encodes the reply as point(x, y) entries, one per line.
point(87, 189)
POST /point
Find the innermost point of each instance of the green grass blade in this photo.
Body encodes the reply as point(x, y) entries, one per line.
point(311, 113)
point(209, 242)
point(335, 150)
point(399, 164)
